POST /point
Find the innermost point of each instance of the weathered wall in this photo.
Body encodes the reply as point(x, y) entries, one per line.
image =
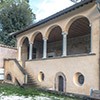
point(7, 52)
point(11, 67)
point(69, 66)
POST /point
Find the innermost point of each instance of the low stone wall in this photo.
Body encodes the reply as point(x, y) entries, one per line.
point(71, 95)
point(95, 94)
point(6, 52)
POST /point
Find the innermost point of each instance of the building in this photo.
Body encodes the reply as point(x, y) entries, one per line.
point(61, 52)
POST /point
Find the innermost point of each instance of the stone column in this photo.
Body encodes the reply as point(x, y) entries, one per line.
point(64, 44)
point(30, 51)
point(44, 48)
point(19, 53)
point(91, 39)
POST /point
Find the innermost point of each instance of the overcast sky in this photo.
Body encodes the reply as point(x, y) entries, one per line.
point(45, 8)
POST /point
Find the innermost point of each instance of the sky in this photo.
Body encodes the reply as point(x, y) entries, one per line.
point(45, 8)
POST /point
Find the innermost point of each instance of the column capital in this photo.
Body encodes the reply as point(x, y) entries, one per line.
point(64, 33)
point(45, 38)
point(19, 46)
point(30, 42)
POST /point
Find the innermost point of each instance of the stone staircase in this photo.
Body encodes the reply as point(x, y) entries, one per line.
point(21, 76)
point(30, 81)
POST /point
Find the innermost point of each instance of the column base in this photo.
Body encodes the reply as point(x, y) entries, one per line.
point(64, 55)
point(29, 59)
point(44, 57)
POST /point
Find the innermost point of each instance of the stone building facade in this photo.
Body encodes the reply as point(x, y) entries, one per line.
point(61, 52)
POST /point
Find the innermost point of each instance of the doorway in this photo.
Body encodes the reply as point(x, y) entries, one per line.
point(60, 82)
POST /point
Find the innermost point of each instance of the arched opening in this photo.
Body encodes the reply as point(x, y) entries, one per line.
point(54, 45)
point(60, 82)
point(25, 50)
point(37, 47)
point(79, 37)
point(9, 77)
point(41, 76)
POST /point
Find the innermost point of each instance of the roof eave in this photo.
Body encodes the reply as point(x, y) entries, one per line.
point(60, 13)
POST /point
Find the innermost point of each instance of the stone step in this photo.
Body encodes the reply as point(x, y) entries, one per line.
point(96, 94)
point(30, 80)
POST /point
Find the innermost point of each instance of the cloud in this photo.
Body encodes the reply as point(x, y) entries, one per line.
point(49, 7)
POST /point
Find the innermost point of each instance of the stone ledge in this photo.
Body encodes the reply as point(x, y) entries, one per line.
point(71, 95)
point(10, 47)
point(60, 57)
point(95, 94)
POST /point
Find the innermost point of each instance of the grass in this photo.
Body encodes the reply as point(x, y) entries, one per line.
point(7, 90)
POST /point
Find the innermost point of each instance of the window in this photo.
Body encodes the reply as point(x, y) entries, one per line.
point(41, 76)
point(79, 79)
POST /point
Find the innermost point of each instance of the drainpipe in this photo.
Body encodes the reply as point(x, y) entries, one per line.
point(98, 7)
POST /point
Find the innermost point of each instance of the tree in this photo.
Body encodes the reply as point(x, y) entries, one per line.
point(14, 16)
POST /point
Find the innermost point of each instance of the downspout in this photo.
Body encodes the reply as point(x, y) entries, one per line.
point(98, 7)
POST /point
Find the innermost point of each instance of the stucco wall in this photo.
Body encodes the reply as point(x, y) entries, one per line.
point(7, 52)
point(69, 66)
point(11, 67)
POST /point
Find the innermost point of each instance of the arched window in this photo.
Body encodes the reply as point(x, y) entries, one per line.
point(9, 77)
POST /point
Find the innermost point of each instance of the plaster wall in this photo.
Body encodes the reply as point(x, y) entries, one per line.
point(6, 52)
point(69, 66)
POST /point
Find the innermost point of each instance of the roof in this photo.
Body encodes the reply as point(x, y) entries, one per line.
point(60, 13)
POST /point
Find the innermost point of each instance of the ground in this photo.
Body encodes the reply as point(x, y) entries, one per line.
point(10, 92)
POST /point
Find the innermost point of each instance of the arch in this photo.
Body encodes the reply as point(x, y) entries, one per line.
point(22, 40)
point(60, 82)
point(79, 36)
point(9, 77)
point(25, 49)
point(69, 23)
point(49, 30)
point(54, 43)
point(37, 41)
point(34, 35)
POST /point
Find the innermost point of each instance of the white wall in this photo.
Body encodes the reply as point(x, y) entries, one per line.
point(1, 74)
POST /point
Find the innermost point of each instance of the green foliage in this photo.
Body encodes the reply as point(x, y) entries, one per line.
point(6, 40)
point(14, 15)
point(6, 89)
